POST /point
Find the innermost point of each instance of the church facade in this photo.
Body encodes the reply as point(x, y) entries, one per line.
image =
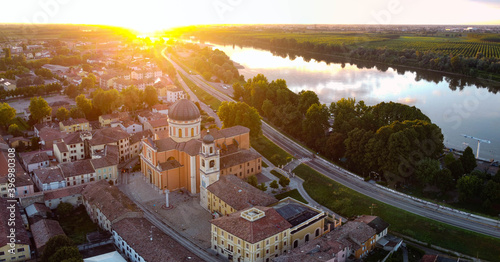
point(193, 159)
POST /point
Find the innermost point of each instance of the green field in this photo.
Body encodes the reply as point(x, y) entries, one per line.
point(293, 194)
point(202, 94)
point(350, 203)
point(464, 44)
point(269, 150)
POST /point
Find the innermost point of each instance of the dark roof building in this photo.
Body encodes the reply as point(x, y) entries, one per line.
point(184, 110)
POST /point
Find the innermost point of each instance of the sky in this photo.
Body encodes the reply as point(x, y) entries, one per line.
point(150, 15)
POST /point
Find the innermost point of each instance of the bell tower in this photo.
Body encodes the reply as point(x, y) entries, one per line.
point(209, 167)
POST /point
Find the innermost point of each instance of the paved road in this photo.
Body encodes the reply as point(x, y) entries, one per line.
point(486, 227)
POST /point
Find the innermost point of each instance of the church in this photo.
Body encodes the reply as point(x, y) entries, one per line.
point(191, 158)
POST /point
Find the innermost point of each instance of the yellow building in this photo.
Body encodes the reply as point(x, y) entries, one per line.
point(254, 234)
point(106, 120)
point(307, 222)
point(303, 224)
point(230, 194)
point(15, 242)
point(73, 125)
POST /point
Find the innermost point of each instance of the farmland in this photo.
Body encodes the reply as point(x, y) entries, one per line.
point(469, 54)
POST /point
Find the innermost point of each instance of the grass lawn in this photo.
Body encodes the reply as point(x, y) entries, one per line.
point(201, 94)
point(349, 203)
point(77, 225)
point(293, 194)
point(269, 150)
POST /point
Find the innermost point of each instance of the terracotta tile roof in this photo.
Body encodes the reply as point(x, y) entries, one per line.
point(160, 107)
point(73, 138)
point(192, 147)
point(356, 232)
point(137, 137)
point(158, 122)
point(226, 132)
point(107, 136)
point(64, 192)
point(48, 134)
point(76, 168)
point(48, 174)
point(239, 194)
point(135, 231)
point(375, 222)
point(118, 115)
point(238, 158)
point(272, 223)
point(18, 138)
point(170, 164)
point(34, 157)
point(318, 250)
point(43, 230)
point(21, 233)
point(63, 148)
point(109, 199)
point(74, 121)
point(129, 122)
point(108, 158)
point(23, 179)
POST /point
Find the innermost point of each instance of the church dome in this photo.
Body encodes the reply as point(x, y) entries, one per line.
point(183, 110)
point(208, 139)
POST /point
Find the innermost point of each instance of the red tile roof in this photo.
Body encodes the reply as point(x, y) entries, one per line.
point(43, 230)
point(271, 224)
point(239, 194)
point(135, 231)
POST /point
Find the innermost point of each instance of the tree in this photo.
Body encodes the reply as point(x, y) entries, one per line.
point(72, 91)
point(132, 98)
point(62, 114)
point(87, 83)
point(468, 160)
point(240, 113)
point(106, 101)
point(76, 112)
point(64, 209)
point(150, 96)
point(267, 108)
point(65, 254)
point(274, 184)
point(238, 92)
point(306, 100)
point(14, 130)
point(284, 181)
point(456, 168)
point(84, 104)
point(491, 191)
point(426, 171)
point(7, 113)
point(468, 187)
point(39, 108)
point(444, 180)
point(54, 244)
point(448, 159)
point(252, 180)
point(315, 124)
point(262, 186)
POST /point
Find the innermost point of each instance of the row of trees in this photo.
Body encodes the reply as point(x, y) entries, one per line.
point(213, 63)
point(388, 138)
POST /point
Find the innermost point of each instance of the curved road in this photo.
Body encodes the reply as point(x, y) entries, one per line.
point(485, 226)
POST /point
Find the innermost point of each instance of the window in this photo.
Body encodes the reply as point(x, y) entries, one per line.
point(2, 253)
point(212, 163)
point(267, 251)
point(258, 246)
point(20, 249)
point(317, 232)
point(267, 242)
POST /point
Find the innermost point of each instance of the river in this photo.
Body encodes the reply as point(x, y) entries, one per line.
point(469, 110)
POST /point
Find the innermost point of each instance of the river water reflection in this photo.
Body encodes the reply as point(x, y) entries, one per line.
point(468, 110)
